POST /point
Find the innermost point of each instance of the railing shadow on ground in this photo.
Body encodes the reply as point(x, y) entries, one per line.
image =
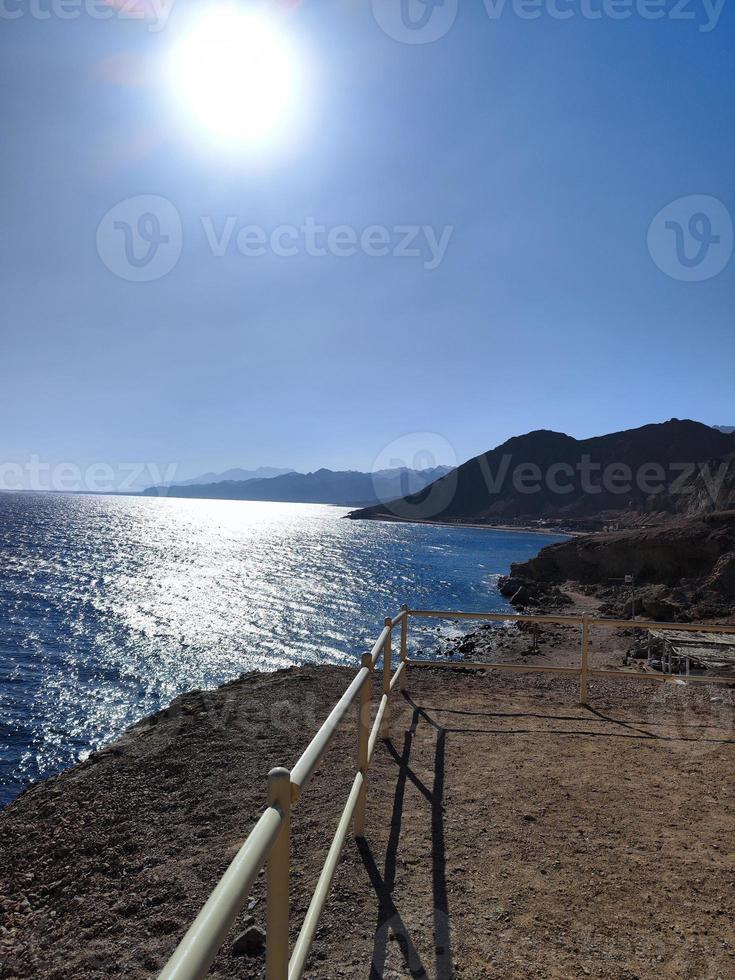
point(635, 732)
point(268, 844)
point(630, 723)
point(389, 917)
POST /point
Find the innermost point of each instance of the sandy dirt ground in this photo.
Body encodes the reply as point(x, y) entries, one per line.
point(511, 833)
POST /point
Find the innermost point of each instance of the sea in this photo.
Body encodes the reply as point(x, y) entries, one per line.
point(110, 606)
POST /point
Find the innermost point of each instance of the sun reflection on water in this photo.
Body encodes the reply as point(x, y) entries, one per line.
point(111, 606)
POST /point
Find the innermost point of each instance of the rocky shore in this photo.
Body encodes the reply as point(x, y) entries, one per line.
point(103, 867)
point(512, 834)
point(683, 571)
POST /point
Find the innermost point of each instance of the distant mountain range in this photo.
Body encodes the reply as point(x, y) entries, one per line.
point(724, 428)
point(549, 477)
point(348, 488)
point(262, 473)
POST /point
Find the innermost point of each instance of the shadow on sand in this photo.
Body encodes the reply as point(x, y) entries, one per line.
point(390, 923)
point(389, 917)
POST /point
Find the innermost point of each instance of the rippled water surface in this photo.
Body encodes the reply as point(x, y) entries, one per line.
point(111, 606)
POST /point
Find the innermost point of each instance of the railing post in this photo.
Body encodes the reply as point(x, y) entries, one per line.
point(387, 657)
point(585, 665)
point(276, 956)
point(363, 737)
point(403, 679)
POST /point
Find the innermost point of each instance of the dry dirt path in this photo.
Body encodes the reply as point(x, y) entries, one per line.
point(511, 833)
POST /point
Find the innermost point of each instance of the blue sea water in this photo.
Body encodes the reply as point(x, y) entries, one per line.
point(111, 606)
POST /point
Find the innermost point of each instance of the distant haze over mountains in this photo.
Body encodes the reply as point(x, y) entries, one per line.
point(344, 488)
point(262, 473)
point(541, 477)
point(549, 477)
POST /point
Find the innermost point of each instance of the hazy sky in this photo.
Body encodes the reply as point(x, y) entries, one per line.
point(541, 148)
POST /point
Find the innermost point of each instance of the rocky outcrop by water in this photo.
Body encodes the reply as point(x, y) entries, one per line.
point(684, 570)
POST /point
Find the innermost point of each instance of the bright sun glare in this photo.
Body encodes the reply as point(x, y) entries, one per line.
point(235, 73)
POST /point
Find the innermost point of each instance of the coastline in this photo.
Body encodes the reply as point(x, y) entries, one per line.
point(139, 834)
point(520, 529)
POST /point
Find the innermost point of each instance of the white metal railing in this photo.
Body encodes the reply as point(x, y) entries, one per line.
point(268, 844)
point(199, 946)
point(584, 671)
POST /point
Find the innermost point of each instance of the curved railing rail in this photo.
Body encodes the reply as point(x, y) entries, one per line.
point(268, 843)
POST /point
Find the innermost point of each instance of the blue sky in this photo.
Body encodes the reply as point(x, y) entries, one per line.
point(547, 147)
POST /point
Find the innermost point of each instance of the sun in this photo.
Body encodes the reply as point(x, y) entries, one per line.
point(234, 73)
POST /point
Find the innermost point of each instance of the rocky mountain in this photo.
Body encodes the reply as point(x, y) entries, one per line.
point(261, 473)
point(550, 477)
point(348, 488)
point(709, 489)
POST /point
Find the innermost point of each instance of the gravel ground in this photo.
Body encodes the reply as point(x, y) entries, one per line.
point(511, 833)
